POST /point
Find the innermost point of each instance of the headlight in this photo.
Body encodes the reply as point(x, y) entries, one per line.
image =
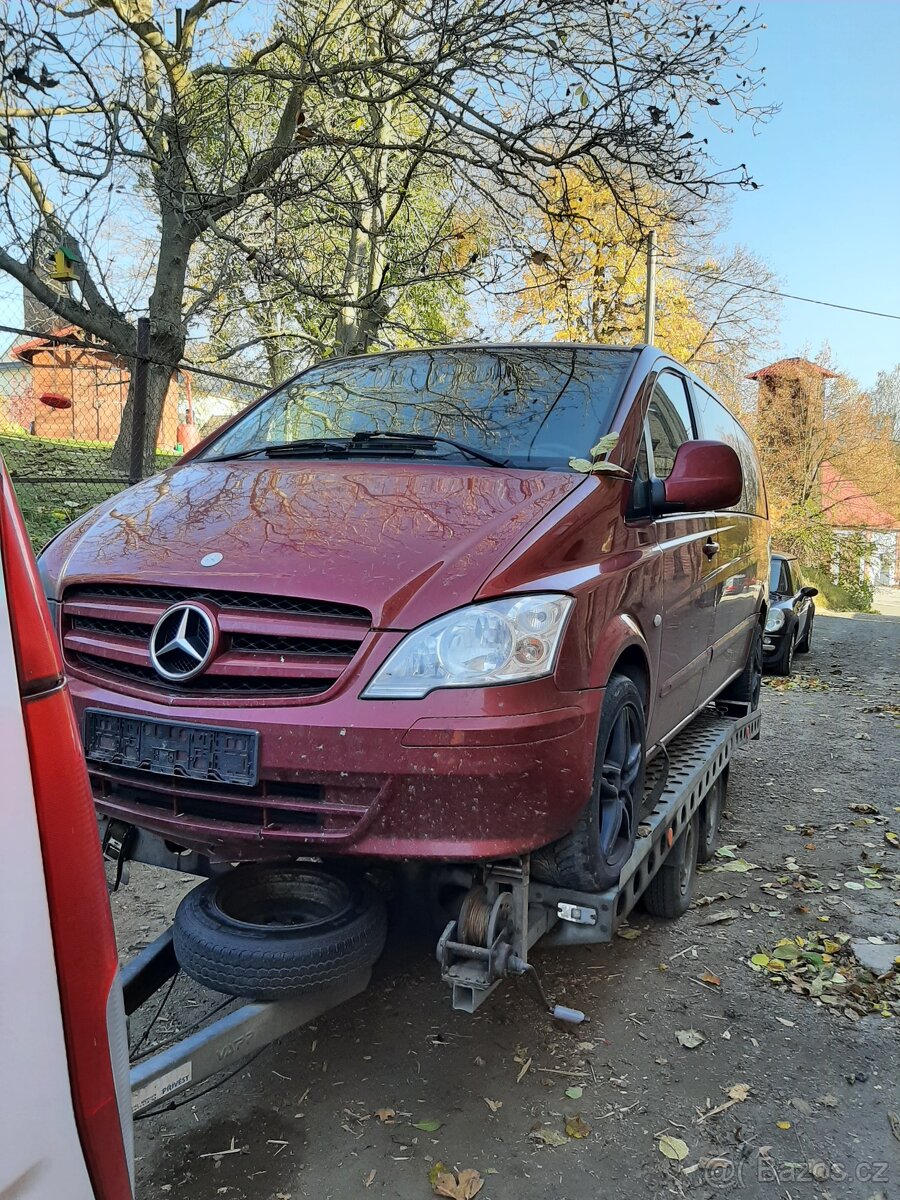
point(774, 620)
point(503, 641)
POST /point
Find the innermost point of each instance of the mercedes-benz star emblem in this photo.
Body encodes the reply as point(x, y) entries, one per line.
point(182, 642)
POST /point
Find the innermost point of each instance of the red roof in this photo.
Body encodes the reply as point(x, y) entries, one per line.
point(846, 506)
point(68, 335)
point(786, 367)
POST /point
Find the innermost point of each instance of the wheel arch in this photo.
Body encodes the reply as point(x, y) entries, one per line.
point(622, 649)
point(633, 663)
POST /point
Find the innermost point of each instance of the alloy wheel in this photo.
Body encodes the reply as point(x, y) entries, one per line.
point(619, 777)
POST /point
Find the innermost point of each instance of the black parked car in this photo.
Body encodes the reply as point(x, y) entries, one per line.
point(789, 625)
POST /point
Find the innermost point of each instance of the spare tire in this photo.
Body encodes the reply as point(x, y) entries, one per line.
point(267, 933)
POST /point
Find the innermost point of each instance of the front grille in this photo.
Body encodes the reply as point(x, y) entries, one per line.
point(267, 645)
point(203, 686)
point(319, 646)
point(249, 601)
point(309, 810)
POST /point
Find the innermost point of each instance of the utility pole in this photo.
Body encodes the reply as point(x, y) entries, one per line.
point(650, 294)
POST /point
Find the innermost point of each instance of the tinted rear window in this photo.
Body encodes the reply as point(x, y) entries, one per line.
point(534, 407)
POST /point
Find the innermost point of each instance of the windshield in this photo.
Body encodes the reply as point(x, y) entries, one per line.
point(776, 576)
point(529, 406)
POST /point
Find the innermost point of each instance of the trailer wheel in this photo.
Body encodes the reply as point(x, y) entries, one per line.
point(671, 889)
point(590, 858)
point(709, 817)
point(267, 933)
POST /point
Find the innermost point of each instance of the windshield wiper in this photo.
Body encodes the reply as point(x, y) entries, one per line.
point(430, 439)
point(364, 442)
point(314, 446)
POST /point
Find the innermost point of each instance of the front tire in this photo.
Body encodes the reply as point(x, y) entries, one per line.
point(590, 858)
point(747, 688)
point(784, 664)
point(805, 644)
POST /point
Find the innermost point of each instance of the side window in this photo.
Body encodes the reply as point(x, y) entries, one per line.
point(642, 464)
point(640, 490)
point(669, 419)
point(717, 424)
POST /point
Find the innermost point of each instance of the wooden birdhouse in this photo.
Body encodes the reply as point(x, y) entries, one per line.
point(63, 265)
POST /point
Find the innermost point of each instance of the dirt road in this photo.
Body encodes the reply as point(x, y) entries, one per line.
point(331, 1111)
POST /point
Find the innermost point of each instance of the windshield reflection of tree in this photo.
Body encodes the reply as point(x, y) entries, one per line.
point(502, 401)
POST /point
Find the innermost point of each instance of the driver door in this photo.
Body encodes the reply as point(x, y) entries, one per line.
point(687, 544)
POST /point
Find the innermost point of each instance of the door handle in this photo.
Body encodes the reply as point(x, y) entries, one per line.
point(710, 548)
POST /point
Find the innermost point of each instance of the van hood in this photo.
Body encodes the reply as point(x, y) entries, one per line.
point(406, 542)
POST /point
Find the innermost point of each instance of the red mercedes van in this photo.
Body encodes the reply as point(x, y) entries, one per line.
point(406, 606)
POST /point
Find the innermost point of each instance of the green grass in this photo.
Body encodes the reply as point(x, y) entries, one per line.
point(833, 596)
point(56, 481)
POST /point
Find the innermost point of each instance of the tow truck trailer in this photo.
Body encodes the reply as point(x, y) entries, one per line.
point(504, 913)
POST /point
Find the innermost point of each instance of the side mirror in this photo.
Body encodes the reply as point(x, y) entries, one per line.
point(705, 475)
point(809, 592)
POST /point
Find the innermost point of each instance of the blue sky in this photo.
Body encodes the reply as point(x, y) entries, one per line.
point(825, 218)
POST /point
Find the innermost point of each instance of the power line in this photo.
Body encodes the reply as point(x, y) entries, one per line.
point(753, 287)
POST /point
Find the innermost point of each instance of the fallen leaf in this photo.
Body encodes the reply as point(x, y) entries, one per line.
point(895, 1125)
point(704, 901)
point(724, 914)
point(628, 932)
point(427, 1126)
point(802, 1106)
point(369, 1179)
point(689, 1038)
point(711, 980)
point(784, 1021)
point(893, 839)
point(385, 1115)
point(574, 1093)
point(739, 1092)
point(437, 1170)
point(607, 443)
point(577, 1128)
point(673, 1148)
point(462, 1186)
point(738, 866)
point(783, 1124)
point(549, 1137)
point(493, 1105)
point(860, 806)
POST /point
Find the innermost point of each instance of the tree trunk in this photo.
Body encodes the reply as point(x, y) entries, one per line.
point(158, 380)
point(167, 339)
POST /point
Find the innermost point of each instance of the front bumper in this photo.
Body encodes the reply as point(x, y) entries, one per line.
point(773, 644)
point(461, 775)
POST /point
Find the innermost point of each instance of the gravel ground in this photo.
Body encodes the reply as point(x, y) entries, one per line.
point(330, 1111)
